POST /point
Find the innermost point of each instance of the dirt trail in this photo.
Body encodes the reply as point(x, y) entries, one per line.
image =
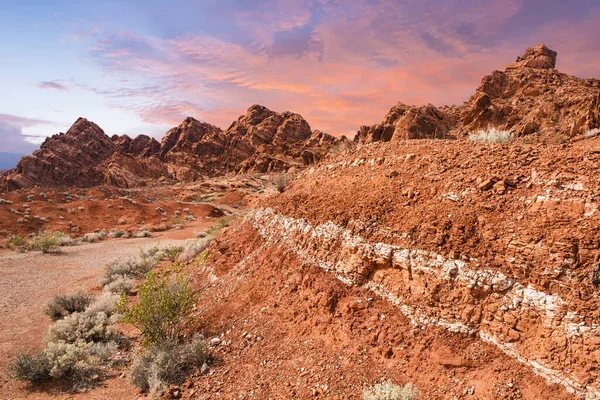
point(28, 281)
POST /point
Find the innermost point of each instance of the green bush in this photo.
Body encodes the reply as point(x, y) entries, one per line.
point(163, 309)
point(64, 305)
point(389, 391)
point(160, 365)
point(15, 241)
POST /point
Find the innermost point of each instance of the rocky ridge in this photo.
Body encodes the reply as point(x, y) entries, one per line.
point(502, 248)
point(259, 141)
point(530, 98)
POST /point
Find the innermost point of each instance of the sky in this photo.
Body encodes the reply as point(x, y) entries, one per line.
point(138, 67)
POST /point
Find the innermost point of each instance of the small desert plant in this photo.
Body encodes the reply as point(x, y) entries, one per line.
point(592, 133)
point(281, 181)
point(64, 305)
point(162, 312)
point(120, 284)
point(15, 241)
point(159, 365)
point(172, 252)
point(389, 391)
point(45, 242)
point(94, 236)
point(219, 226)
point(491, 135)
point(132, 268)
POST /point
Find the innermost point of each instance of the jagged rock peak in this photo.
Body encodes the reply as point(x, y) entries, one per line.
point(83, 125)
point(539, 56)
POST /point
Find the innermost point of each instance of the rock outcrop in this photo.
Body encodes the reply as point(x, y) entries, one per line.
point(259, 141)
point(497, 245)
point(529, 98)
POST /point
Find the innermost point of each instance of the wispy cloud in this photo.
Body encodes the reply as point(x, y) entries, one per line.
point(13, 140)
point(52, 85)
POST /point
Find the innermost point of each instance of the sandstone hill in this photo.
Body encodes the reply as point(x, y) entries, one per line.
point(530, 98)
point(259, 141)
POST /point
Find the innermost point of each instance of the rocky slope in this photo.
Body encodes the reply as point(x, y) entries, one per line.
point(495, 244)
point(530, 98)
point(259, 141)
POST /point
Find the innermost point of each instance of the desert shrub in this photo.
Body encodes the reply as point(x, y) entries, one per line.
point(104, 350)
point(160, 365)
point(94, 236)
point(132, 269)
point(64, 305)
point(281, 181)
point(15, 242)
point(63, 239)
point(144, 233)
point(74, 361)
point(172, 252)
point(491, 135)
point(116, 233)
point(106, 303)
point(592, 133)
point(163, 309)
point(5, 202)
point(86, 326)
point(121, 284)
point(389, 391)
point(31, 368)
point(45, 242)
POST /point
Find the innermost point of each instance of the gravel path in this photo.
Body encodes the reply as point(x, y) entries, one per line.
point(28, 281)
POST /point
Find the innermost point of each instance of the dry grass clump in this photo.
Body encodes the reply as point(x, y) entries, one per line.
point(389, 391)
point(193, 247)
point(63, 305)
point(219, 226)
point(492, 135)
point(130, 269)
point(172, 252)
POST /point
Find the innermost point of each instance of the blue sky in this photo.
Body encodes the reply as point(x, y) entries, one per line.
point(142, 66)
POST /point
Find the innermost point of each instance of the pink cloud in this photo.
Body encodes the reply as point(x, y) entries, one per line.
point(52, 85)
point(360, 59)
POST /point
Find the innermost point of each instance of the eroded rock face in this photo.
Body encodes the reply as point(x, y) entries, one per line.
point(261, 140)
point(529, 98)
point(404, 122)
point(532, 98)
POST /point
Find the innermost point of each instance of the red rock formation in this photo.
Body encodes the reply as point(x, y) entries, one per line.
point(259, 141)
point(530, 98)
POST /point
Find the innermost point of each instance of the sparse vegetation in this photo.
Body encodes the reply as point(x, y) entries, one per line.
point(161, 364)
point(63, 305)
point(193, 247)
point(162, 312)
point(219, 226)
point(129, 269)
point(172, 252)
point(492, 135)
point(389, 391)
point(45, 242)
point(94, 236)
point(76, 346)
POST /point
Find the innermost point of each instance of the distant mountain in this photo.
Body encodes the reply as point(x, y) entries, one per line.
point(9, 160)
point(260, 141)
